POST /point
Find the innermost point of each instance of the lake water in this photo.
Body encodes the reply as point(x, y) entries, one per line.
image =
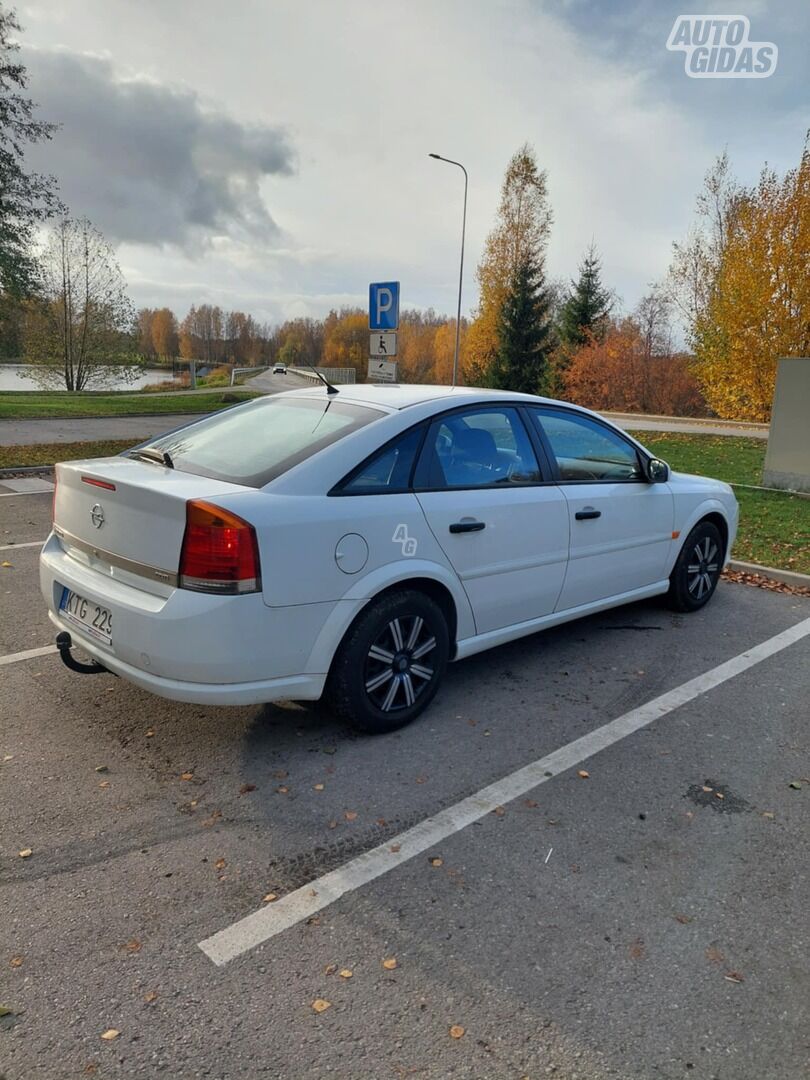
point(18, 377)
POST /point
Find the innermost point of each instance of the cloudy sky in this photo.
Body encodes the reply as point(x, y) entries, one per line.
point(271, 155)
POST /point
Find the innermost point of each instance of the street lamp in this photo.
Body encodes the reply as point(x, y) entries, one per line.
point(439, 157)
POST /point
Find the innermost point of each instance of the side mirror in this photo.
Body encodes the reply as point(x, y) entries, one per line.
point(657, 471)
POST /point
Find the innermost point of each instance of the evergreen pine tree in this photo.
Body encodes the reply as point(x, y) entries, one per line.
point(524, 328)
point(585, 312)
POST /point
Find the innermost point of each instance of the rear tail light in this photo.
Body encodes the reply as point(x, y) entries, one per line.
point(220, 553)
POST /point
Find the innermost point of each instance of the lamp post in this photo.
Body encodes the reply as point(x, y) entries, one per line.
point(439, 157)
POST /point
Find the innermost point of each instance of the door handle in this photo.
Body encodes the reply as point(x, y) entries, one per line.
point(587, 514)
point(467, 526)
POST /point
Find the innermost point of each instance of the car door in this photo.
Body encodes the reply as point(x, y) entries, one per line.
point(621, 524)
point(502, 524)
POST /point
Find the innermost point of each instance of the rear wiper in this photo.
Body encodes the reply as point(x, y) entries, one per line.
point(162, 457)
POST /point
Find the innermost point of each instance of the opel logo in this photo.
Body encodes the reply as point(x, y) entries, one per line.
point(97, 515)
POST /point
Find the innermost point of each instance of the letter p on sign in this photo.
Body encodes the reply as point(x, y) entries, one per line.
point(383, 305)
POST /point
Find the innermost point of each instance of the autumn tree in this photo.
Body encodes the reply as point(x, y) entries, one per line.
point(521, 233)
point(347, 343)
point(27, 199)
point(741, 280)
point(78, 327)
point(164, 333)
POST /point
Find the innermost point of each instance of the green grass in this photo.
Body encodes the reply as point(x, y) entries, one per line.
point(774, 526)
point(725, 457)
point(47, 453)
point(36, 404)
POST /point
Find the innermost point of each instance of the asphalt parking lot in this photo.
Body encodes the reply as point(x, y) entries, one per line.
point(646, 920)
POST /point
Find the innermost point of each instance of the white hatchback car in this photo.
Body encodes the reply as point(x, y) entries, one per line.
point(354, 542)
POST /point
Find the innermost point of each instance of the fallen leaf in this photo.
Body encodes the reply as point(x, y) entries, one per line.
point(381, 822)
point(321, 1005)
point(683, 919)
point(345, 973)
point(150, 732)
point(350, 815)
point(110, 1034)
point(16, 961)
point(714, 956)
point(795, 784)
point(637, 949)
point(187, 776)
point(456, 1031)
point(213, 819)
point(102, 768)
point(734, 976)
point(435, 862)
point(150, 997)
point(768, 814)
point(499, 811)
point(6, 563)
point(395, 848)
point(707, 789)
point(390, 964)
point(246, 788)
point(332, 825)
point(8, 757)
point(421, 780)
point(319, 787)
point(313, 892)
point(26, 853)
point(104, 784)
point(6, 1012)
point(330, 969)
point(719, 795)
point(271, 896)
point(132, 946)
point(531, 803)
point(583, 774)
point(281, 774)
point(283, 790)
point(220, 864)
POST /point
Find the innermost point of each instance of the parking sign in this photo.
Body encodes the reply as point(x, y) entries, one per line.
point(383, 305)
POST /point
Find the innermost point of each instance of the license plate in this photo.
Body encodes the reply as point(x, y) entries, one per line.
point(90, 616)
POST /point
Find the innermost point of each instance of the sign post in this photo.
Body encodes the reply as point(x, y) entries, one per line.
point(383, 322)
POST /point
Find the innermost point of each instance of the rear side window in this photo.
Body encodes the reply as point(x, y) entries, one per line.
point(388, 470)
point(255, 443)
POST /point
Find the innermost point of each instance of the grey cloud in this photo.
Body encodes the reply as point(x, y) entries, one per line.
point(147, 162)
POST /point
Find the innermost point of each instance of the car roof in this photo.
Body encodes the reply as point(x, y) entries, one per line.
point(397, 396)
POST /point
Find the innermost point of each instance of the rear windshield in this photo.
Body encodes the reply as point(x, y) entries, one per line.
point(254, 443)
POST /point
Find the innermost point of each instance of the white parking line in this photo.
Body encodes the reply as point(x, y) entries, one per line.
point(29, 654)
point(274, 918)
point(27, 544)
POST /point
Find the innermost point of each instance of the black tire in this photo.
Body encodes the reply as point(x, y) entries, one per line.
point(697, 570)
point(390, 663)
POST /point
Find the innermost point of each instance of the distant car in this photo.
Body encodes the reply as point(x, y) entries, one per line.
point(279, 369)
point(418, 525)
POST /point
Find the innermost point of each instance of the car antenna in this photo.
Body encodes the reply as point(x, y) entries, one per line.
point(329, 388)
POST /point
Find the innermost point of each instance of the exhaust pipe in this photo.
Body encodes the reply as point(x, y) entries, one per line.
point(64, 644)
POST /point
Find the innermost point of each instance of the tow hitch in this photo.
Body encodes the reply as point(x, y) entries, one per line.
point(64, 644)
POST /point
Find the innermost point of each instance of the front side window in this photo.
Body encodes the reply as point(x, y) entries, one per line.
point(585, 450)
point(478, 448)
point(255, 443)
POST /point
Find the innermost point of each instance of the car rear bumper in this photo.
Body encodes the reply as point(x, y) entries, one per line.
point(303, 687)
point(192, 646)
